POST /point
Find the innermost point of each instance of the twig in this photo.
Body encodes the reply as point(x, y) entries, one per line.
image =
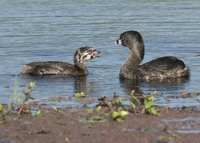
point(25, 100)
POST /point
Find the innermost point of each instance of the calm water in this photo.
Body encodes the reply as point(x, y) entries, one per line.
point(40, 30)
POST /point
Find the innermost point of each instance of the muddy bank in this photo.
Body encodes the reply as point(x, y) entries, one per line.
point(78, 125)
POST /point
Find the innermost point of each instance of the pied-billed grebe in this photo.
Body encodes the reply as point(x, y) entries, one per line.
point(81, 56)
point(160, 68)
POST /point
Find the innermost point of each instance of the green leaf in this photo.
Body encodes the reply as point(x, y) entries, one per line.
point(153, 111)
point(151, 99)
point(173, 136)
point(32, 84)
point(26, 111)
point(135, 98)
point(1, 107)
point(96, 117)
point(145, 98)
point(110, 105)
point(78, 95)
point(148, 105)
point(185, 92)
point(132, 93)
point(47, 111)
point(123, 113)
point(18, 99)
point(59, 121)
point(118, 102)
point(67, 140)
point(2, 121)
point(89, 126)
point(133, 105)
point(89, 110)
point(107, 114)
point(115, 114)
point(103, 120)
point(138, 101)
point(55, 109)
point(39, 112)
point(98, 108)
point(156, 106)
point(15, 89)
point(119, 120)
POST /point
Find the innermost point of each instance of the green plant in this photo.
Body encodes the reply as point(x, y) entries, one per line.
point(119, 103)
point(118, 114)
point(57, 110)
point(15, 96)
point(79, 95)
point(115, 106)
point(98, 109)
point(173, 136)
point(38, 114)
point(27, 94)
point(134, 100)
point(148, 105)
point(4, 114)
point(67, 140)
point(2, 109)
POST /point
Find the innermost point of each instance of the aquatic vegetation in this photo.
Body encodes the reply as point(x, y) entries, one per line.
point(79, 95)
point(173, 136)
point(3, 114)
point(67, 140)
point(47, 111)
point(59, 121)
point(186, 95)
point(146, 102)
point(154, 93)
point(116, 107)
point(148, 105)
point(2, 109)
point(15, 97)
point(98, 109)
point(27, 95)
point(119, 103)
point(133, 100)
point(26, 111)
point(118, 114)
point(107, 109)
point(58, 110)
point(38, 114)
point(94, 116)
point(89, 110)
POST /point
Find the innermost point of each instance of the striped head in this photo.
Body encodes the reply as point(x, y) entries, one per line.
point(83, 54)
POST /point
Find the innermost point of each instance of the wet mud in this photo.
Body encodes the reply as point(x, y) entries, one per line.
point(80, 122)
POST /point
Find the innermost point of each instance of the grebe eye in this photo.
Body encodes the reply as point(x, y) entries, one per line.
point(122, 38)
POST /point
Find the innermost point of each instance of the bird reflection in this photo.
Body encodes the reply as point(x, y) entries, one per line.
point(161, 85)
point(78, 83)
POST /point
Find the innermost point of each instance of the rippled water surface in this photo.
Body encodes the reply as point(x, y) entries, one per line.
point(43, 30)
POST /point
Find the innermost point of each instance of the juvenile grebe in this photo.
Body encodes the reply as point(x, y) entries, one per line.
point(81, 56)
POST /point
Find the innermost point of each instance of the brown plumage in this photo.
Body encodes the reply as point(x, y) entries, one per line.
point(81, 56)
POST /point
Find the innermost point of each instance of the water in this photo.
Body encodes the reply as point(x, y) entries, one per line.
point(42, 30)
